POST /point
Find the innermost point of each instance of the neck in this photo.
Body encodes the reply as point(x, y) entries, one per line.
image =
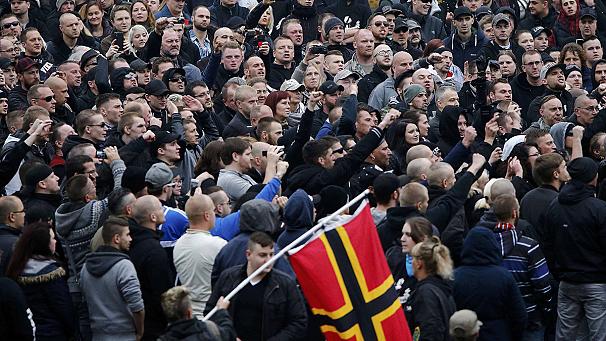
point(387, 70)
point(70, 42)
point(23, 18)
point(201, 35)
point(42, 191)
point(501, 42)
point(165, 160)
point(200, 226)
point(127, 139)
point(363, 59)
point(115, 246)
point(544, 14)
point(557, 184)
point(149, 225)
point(286, 65)
point(420, 275)
point(404, 44)
point(234, 167)
point(384, 207)
point(174, 14)
point(250, 270)
point(465, 36)
point(533, 81)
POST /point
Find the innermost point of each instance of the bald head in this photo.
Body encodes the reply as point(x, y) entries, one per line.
point(440, 173)
point(413, 194)
point(500, 187)
point(146, 209)
point(9, 205)
point(54, 82)
point(417, 169)
point(200, 211)
point(402, 61)
point(258, 148)
point(67, 18)
point(419, 151)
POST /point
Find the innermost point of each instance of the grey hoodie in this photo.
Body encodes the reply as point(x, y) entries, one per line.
point(113, 293)
point(558, 132)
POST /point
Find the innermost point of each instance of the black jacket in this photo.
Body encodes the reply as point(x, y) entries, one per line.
point(532, 114)
point(431, 306)
point(47, 203)
point(523, 92)
point(238, 126)
point(15, 318)
point(284, 314)
point(308, 17)
point(196, 330)
point(531, 20)
point(8, 238)
point(484, 286)
point(369, 82)
point(390, 229)
point(575, 235)
point(61, 52)
point(534, 205)
point(220, 15)
point(312, 178)
point(278, 74)
point(73, 140)
point(17, 98)
point(154, 273)
point(354, 14)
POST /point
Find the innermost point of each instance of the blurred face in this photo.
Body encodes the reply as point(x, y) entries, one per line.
point(532, 66)
point(572, 58)
point(502, 32)
point(411, 135)
point(156, 102)
point(245, 160)
point(508, 67)
point(546, 144)
point(60, 92)
point(364, 43)
point(382, 154)
point(282, 109)
point(402, 61)
point(526, 41)
point(424, 79)
point(463, 23)
point(257, 256)
point(555, 79)
point(46, 99)
point(593, 50)
point(400, 36)
point(446, 62)
point(177, 83)
point(336, 35)
point(364, 122)
point(171, 43)
point(407, 242)
point(247, 104)
point(113, 110)
point(11, 27)
point(378, 26)
point(284, 51)
point(70, 26)
point(383, 56)
point(502, 91)
point(333, 64)
point(587, 111)
point(473, 5)
point(33, 43)
point(139, 13)
point(600, 73)
point(541, 42)
point(171, 151)
point(552, 111)
point(201, 18)
point(575, 80)
point(295, 33)
point(588, 26)
point(537, 7)
point(420, 102)
point(255, 67)
point(138, 128)
point(94, 15)
point(569, 7)
point(265, 18)
point(124, 239)
point(191, 134)
point(450, 98)
point(462, 125)
point(19, 7)
point(414, 35)
point(122, 21)
point(274, 133)
point(232, 59)
point(139, 39)
point(97, 130)
point(175, 6)
point(312, 78)
point(202, 94)
point(73, 75)
point(421, 7)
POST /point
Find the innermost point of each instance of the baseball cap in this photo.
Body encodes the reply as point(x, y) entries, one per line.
point(157, 88)
point(235, 22)
point(500, 17)
point(88, 55)
point(159, 175)
point(537, 30)
point(588, 12)
point(36, 174)
point(291, 85)
point(582, 169)
point(330, 87)
point(344, 74)
point(546, 69)
point(412, 24)
point(332, 23)
point(139, 65)
point(6, 62)
point(462, 11)
point(400, 24)
point(163, 137)
point(571, 68)
point(464, 323)
point(388, 183)
point(25, 64)
point(482, 11)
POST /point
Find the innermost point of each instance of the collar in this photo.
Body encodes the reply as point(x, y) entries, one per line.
point(504, 227)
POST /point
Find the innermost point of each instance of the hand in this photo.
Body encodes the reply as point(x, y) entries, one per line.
point(477, 162)
point(280, 201)
point(469, 135)
point(496, 155)
point(161, 24)
point(192, 104)
point(273, 155)
point(204, 176)
point(268, 2)
point(149, 136)
point(264, 48)
point(34, 126)
point(514, 167)
point(314, 98)
point(222, 303)
point(577, 132)
point(434, 58)
point(492, 127)
point(154, 121)
point(281, 169)
point(309, 56)
point(111, 154)
point(171, 108)
point(217, 46)
point(389, 118)
point(602, 89)
point(126, 46)
point(449, 16)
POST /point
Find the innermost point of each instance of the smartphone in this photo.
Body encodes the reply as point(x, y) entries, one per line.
point(119, 38)
point(318, 49)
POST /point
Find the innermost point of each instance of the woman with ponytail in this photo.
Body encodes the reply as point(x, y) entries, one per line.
point(431, 303)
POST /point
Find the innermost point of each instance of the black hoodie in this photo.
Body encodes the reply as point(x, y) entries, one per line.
point(431, 306)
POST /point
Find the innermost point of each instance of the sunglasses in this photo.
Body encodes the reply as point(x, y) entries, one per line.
point(130, 76)
point(338, 151)
point(178, 79)
point(47, 98)
point(100, 125)
point(10, 24)
point(381, 23)
point(426, 1)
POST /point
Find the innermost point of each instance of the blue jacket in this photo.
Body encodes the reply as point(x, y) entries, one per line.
point(465, 51)
point(482, 285)
point(298, 217)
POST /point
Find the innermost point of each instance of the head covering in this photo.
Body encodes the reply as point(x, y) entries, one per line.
point(412, 24)
point(546, 69)
point(537, 30)
point(582, 169)
point(25, 64)
point(512, 142)
point(139, 65)
point(333, 198)
point(387, 183)
point(156, 87)
point(60, 3)
point(462, 11)
point(235, 22)
point(482, 11)
point(343, 74)
point(558, 132)
point(36, 174)
point(464, 323)
point(163, 137)
point(330, 87)
point(332, 23)
point(570, 69)
point(400, 24)
point(500, 17)
point(134, 178)
point(170, 73)
point(413, 91)
point(291, 85)
point(6, 62)
point(159, 175)
point(588, 12)
point(86, 56)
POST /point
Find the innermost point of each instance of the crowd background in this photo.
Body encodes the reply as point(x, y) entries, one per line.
point(154, 154)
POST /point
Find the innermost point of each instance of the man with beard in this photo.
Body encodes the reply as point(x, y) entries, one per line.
point(282, 67)
point(199, 31)
point(552, 75)
point(386, 90)
point(528, 85)
point(414, 35)
point(383, 58)
point(28, 75)
point(254, 67)
point(466, 42)
point(33, 45)
point(432, 27)
point(378, 25)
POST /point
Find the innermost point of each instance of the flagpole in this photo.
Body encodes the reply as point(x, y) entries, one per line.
point(286, 249)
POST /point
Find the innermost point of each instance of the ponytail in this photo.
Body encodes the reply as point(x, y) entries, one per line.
point(435, 257)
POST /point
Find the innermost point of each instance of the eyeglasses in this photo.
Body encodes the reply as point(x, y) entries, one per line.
point(47, 98)
point(178, 79)
point(101, 125)
point(130, 76)
point(10, 24)
point(538, 62)
point(22, 211)
point(595, 108)
point(14, 49)
point(426, 1)
point(384, 53)
point(381, 23)
point(338, 151)
point(226, 203)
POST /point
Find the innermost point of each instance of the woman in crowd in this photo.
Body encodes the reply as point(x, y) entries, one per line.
point(453, 123)
point(95, 21)
point(279, 103)
point(43, 281)
point(566, 27)
point(210, 161)
point(400, 136)
point(141, 15)
point(431, 303)
point(508, 64)
point(137, 37)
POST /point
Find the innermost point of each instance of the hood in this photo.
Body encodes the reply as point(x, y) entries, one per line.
point(301, 175)
point(182, 329)
point(435, 192)
point(71, 216)
point(100, 261)
point(299, 211)
point(575, 191)
point(302, 12)
point(480, 248)
point(396, 216)
point(558, 132)
point(259, 215)
point(449, 130)
point(437, 281)
point(488, 220)
point(116, 79)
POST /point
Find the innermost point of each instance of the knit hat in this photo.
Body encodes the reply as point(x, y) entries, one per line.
point(60, 3)
point(413, 91)
point(36, 174)
point(134, 178)
point(582, 169)
point(464, 323)
point(332, 23)
point(159, 175)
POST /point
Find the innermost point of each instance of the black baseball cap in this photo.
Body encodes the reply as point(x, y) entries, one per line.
point(330, 87)
point(157, 88)
point(462, 11)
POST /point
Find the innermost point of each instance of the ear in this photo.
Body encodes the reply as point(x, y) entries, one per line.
point(42, 184)
point(444, 183)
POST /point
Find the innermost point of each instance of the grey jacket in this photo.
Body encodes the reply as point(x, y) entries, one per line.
point(113, 293)
point(382, 94)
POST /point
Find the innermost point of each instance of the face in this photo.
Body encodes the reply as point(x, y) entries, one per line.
point(255, 67)
point(295, 33)
point(421, 7)
point(191, 134)
point(449, 98)
point(171, 43)
point(156, 102)
point(162, 68)
point(71, 26)
point(462, 125)
point(11, 27)
point(177, 83)
point(223, 35)
point(502, 31)
point(463, 23)
point(139, 39)
point(364, 43)
point(552, 111)
point(312, 78)
point(97, 130)
point(246, 105)
point(139, 12)
point(245, 160)
point(379, 26)
point(8, 49)
point(33, 43)
point(30, 77)
point(282, 109)
point(175, 6)
point(502, 91)
point(202, 18)
point(19, 7)
point(446, 62)
point(122, 21)
point(587, 111)
point(532, 66)
point(73, 75)
point(274, 133)
point(153, 5)
point(113, 110)
point(232, 59)
point(537, 7)
point(526, 41)
point(411, 135)
point(420, 102)
point(541, 42)
point(382, 155)
point(364, 122)
point(473, 5)
point(424, 79)
point(60, 92)
point(202, 94)
point(414, 35)
point(600, 73)
point(89, 169)
point(588, 26)
point(488, 31)
point(572, 58)
point(508, 67)
point(423, 125)
point(265, 18)
point(258, 255)
point(94, 15)
point(138, 128)
point(593, 50)
point(546, 144)
point(284, 51)
point(336, 35)
point(383, 56)
point(143, 77)
point(569, 7)
point(575, 80)
point(400, 36)
point(52, 183)
point(171, 151)
point(407, 242)
point(333, 64)
point(555, 79)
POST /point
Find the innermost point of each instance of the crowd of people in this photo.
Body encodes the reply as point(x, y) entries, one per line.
point(155, 154)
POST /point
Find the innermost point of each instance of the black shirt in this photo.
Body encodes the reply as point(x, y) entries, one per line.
point(248, 316)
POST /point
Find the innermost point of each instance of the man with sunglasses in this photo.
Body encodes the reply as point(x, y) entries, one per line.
point(91, 128)
point(379, 26)
point(431, 26)
point(175, 81)
point(28, 75)
point(399, 39)
point(10, 26)
point(41, 95)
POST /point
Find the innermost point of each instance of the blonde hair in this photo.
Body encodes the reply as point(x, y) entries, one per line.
point(134, 29)
point(435, 257)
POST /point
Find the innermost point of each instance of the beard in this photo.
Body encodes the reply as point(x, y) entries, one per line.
point(200, 27)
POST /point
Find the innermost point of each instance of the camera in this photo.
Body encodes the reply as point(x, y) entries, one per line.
point(194, 183)
point(318, 49)
point(101, 154)
point(180, 20)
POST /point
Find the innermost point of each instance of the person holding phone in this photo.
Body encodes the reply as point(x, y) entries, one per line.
point(115, 43)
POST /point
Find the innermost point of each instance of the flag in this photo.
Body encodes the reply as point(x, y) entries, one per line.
point(348, 285)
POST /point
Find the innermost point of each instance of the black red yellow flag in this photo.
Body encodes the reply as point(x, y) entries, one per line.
point(347, 283)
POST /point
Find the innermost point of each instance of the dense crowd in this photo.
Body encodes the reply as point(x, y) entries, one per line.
point(155, 154)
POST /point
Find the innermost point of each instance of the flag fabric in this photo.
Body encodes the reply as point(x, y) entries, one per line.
point(348, 285)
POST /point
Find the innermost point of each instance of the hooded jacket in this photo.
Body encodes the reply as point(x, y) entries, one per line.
point(220, 15)
point(431, 306)
point(484, 286)
point(112, 290)
point(298, 217)
point(369, 82)
point(431, 26)
point(534, 205)
point(354, 14)
point(524, 93)
point(558, 132)
point(8, 238)
point(575, 235)
point(470, 50)
point(196, 330)
point(390, 230)
point(308, 16)
point(523, 258)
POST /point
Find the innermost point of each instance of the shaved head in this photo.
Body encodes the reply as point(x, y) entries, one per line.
point(500, 187)
point(197, 205)
point(259, 147)
point(144, 207)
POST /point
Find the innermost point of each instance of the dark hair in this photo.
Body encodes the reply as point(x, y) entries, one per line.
point(264, 124)
point(544, 166)
point(210, 160)
point(102, 99)
point(503, 206)
point(260, 238)
point(75, 165)
point(233, 145)
point(23, 36)
point(112, 226)
point(76, 187)
point(432, 45)
point(189, 88)
point(34, 241)
point(116, 200)
point(420, 228)
point(396, 137)
point(533, 135)
point(314, 149)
